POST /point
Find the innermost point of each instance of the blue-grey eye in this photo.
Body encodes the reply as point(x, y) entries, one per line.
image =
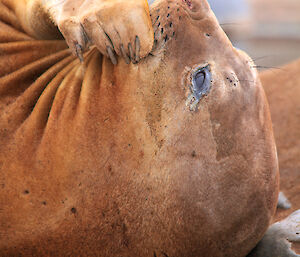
point(201, 82)
point(200, 86)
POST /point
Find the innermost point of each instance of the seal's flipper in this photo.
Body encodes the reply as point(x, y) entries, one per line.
point(113, 32)
point(277, 241)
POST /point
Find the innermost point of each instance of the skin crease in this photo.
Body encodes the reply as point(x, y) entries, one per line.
point(104, 160)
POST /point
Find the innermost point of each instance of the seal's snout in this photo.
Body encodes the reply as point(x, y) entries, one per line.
point(173, 19)
point(165, 16)
point(200, 7)
point(188, 3)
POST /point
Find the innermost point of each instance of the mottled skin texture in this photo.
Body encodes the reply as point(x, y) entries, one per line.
point(103, 160)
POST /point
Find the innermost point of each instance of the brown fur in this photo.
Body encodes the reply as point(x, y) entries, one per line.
point(103, 160)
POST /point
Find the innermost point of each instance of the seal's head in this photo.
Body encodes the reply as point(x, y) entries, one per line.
point(207, 109)
point(173, 156)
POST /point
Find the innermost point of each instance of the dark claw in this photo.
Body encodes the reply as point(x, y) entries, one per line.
point(137, 49)
point(132, 58)
point(79, 52)
point(111, 55)
point(125, 56)
point(85, 35)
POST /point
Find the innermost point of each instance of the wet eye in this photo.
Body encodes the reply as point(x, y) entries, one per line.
point(201, 82)
point(199, 87)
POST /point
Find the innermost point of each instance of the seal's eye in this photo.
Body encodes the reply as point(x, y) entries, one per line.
point(200, 86)
point(201, 81)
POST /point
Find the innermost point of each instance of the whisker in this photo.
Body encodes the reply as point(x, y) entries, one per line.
point(156, 29)
point(242, 80)
point(157, 18)
point(230, 24)
point(260, 58)
point(266, 67)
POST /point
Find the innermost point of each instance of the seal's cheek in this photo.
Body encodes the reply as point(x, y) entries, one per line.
point(199, 83)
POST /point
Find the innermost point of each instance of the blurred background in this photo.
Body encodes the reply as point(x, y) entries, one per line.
point(268, 30)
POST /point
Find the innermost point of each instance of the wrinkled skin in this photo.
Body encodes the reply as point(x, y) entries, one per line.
point(104, 160)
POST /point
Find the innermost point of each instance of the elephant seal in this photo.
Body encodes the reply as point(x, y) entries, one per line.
point(174, 156)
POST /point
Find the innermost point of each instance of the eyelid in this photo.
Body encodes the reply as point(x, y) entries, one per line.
point(205, 70)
